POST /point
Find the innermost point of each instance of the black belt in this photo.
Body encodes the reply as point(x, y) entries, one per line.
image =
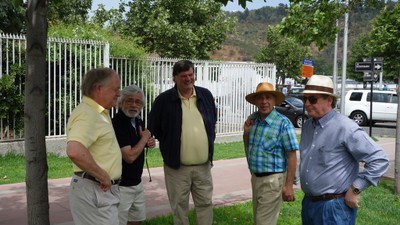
point(326, 197)
point(90, 177)
point(265, 174)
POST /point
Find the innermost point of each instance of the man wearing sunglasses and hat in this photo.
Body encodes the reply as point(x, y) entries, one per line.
point(331, 148)
point(270, 143)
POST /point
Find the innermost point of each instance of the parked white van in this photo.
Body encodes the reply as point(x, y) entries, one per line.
point(384, 106)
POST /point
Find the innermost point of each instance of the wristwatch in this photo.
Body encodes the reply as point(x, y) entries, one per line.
point(355, 190)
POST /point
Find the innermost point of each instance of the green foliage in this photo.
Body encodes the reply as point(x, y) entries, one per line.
point(178, 28)
point(242, 3)
point(357, 53)
point(12, 20)
point(384, 40)
point(11, 98)
point(68, 12)
point(110, 19)
point(118, 47)
point(312, 21)
point(285, 53)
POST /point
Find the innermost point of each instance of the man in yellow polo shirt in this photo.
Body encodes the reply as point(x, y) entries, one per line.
point(94, 151)
point(183, 119)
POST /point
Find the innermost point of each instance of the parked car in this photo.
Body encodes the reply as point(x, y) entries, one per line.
point(292, 108)
point(296, 92)
point(384, 106)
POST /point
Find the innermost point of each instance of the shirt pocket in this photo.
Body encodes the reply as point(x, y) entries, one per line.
point(325, 156)
point(270, 144)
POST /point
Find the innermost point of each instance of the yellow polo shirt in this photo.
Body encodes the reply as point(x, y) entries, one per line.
point(194, 141)
point(90, 124)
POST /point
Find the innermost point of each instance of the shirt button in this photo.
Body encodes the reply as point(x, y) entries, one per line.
point(310, 157)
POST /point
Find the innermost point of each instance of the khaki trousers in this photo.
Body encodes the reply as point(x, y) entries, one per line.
point(90, 205)
point(267, 198)
point(195, 180)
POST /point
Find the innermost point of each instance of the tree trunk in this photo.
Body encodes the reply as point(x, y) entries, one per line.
point(34, 118)
point(397, 150)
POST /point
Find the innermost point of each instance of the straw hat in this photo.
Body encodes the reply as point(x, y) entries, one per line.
point(265, 87)
point(319, 84)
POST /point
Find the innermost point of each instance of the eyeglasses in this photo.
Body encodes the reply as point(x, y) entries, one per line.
point(133, 101)
point(312, 99)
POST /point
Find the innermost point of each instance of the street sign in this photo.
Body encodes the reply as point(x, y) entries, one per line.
point(307, 68)
point(370, 77)
point(378, 66)
point(363, 66)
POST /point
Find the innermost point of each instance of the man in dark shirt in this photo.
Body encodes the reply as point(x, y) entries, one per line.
point(132, 138)
point(183, 120)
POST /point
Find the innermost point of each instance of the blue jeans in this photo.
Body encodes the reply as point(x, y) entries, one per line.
point(331, 212)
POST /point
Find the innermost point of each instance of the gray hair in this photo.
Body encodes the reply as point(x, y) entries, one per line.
point(129, 91)
point(94, 77)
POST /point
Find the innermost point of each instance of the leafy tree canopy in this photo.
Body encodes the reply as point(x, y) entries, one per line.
point(385, 41)
point(314, 21)
point(110, 19)
point(178, 28)
point(118, 47)
point(285, 53)
point(240, 2)
point(12, 16)
point(69, 11)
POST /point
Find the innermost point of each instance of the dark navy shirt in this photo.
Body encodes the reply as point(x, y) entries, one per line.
point(129, 135)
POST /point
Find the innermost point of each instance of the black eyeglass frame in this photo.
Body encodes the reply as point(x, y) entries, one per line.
point(312, 99)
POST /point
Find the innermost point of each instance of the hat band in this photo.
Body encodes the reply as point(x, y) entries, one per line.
point(318, 88)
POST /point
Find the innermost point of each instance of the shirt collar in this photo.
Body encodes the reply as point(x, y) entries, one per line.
point(325, 119)
point(270, 118)
point(96, 106)
point(193, 94)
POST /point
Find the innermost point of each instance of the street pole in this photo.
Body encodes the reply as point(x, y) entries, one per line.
point(344, 63)
point(335, 60)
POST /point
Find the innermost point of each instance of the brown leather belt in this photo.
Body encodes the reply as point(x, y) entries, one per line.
point(265, 174)
point(326, 197)
point(90, 177)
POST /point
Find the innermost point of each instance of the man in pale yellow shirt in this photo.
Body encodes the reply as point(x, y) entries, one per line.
point(94, 151)
point(183, 119)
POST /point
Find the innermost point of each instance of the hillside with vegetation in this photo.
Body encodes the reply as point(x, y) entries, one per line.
point(249, 36)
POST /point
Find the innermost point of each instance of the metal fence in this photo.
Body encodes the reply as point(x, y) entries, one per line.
point(68, 60)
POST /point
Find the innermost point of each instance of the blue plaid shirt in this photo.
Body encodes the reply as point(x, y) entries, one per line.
point(269, 141)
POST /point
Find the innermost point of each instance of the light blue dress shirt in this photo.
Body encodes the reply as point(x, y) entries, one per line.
point(330, 152)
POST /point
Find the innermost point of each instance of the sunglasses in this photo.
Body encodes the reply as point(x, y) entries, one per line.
point(312, 99)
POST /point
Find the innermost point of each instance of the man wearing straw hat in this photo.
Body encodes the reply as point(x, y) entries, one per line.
point(270, 144)
point(331, 148)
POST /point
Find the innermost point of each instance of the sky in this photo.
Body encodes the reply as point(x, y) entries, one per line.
point(231, 6)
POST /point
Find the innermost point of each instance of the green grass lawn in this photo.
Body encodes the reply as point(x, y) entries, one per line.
point(378, 206)
point(12, 166)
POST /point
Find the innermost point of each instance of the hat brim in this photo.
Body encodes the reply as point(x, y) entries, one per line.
point(251, 98)
point(320, 92)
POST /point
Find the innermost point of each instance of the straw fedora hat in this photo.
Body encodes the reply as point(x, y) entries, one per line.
point(265, 87)
point(319, 84)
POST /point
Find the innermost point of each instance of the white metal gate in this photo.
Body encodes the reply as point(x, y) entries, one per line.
point(68, 60)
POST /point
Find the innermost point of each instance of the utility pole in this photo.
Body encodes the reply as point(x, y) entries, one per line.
point(344, 63)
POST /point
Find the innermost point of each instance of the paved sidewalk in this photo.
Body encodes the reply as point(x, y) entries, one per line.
point(231, 185)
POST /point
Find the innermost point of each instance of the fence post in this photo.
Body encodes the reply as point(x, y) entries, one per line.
point(106, 55)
